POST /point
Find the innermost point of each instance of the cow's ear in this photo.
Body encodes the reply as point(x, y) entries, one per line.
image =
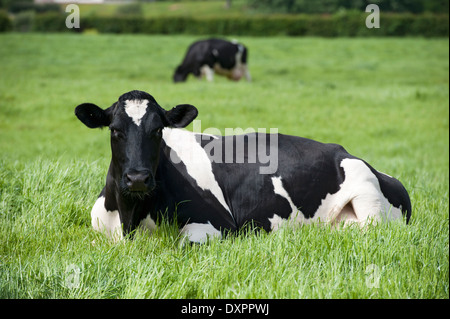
point(181, 115)
point(92, 116)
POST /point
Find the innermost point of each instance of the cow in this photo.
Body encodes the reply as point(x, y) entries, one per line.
point(160, 170)
point(206, 57)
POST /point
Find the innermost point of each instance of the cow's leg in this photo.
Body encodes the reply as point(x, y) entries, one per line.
point(374, 207)
point(207, 72)
point(106, 222)
point(147, 224)
point(200, 232)
point(362, 196)
point(347, 216)
point(246, 73)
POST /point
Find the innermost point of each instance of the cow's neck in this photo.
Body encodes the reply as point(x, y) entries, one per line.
point(132, 209)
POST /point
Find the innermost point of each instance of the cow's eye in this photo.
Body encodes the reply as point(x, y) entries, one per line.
point(115, 132)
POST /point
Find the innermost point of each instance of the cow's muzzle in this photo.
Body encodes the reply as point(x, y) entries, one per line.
point(139, 181)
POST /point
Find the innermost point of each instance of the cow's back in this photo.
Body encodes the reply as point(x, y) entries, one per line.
point(312, 181)
point(307, 171)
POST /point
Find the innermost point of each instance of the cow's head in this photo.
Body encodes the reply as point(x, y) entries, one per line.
point(180, 74)
point(136, 122)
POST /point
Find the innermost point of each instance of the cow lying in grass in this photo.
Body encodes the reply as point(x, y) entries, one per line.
point(157, 169)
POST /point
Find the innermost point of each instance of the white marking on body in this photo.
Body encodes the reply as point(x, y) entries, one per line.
point(199, 233)
point(106, 222)
point(276, 221)
point(279, 189)
point(359, 200)
point(347, 216)
point(237, 72)
point(136, 110)
point(147, 224)
point(359, 197)
point(296, 216)
point(234, 73)
point(184, 144)
point(206, 71)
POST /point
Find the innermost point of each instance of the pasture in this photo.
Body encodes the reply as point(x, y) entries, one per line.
point(385, 100)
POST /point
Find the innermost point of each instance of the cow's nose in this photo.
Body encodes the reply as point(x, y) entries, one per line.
point(138, 181)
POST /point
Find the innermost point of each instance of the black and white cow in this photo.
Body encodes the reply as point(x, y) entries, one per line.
point(158, 168)
point(205, 57)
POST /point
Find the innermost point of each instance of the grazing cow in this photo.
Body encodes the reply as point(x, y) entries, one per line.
point(205, 57)
point(158, 169)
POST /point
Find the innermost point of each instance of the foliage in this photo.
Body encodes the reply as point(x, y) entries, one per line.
point(210, 17)
point(347, 24)
point(23, 21)
point(333, 6)
point(131, 9)
point(20, 6)
point(5, 22)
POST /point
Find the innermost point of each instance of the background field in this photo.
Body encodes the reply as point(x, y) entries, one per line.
point(385, 100)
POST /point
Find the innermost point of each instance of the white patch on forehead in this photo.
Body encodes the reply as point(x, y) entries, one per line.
point(185, 146)
point(105, 221)
point(136, 109)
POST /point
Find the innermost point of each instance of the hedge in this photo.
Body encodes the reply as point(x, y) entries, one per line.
point(348, 24)
point(5, 22)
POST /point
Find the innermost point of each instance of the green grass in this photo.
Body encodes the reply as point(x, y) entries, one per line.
point(385, 100)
